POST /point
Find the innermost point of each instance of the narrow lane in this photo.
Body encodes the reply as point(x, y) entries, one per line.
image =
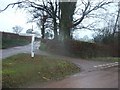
point(4, 53)
point(106, 78)
point(15, 50)
point(89, 77)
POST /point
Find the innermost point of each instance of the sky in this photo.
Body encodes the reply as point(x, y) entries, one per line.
point(12, 16)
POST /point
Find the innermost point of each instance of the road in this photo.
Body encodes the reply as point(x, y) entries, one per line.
point(4, 53)
point(15, 50)
point(106, 78)
point(94, 74)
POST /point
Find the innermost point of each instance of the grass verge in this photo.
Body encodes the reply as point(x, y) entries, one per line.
point(22, 70)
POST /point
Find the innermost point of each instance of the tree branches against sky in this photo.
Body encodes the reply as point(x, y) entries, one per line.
point(11, 16)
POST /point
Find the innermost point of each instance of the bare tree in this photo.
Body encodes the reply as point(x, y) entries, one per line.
point(119, 17)
point(89, 9)
point(84, 10)
point(17, 29)
point(117, 20)
point(63, 12)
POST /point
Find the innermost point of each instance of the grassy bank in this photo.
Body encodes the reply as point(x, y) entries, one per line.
point(22, 70)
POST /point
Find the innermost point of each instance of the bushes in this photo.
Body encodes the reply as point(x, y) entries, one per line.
point(87, 50)
point(78, 48)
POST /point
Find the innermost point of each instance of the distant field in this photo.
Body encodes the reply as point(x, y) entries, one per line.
point(8, 40)
point(7, 43)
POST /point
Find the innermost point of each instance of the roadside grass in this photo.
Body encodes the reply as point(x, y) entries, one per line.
point(112, 59)
point(21, 70)
point(7, 43)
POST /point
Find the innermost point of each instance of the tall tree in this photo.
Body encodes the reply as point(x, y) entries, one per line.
point(54, 7)
point(117, 20)
point(39, 17)
point(67, 12)
point(86, 9)
point(119, 16)
point(62, 13)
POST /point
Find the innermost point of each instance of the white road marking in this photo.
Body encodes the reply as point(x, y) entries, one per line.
point(99, 65)
point(116, 62)
point(107, 65)
point(95, 66)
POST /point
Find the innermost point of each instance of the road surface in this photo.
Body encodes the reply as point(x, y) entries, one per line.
point(15, 50)
point(106, 78)
point(94, 74)
point(4, 53)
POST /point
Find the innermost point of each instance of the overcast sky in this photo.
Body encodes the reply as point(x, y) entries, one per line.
point(11, 17)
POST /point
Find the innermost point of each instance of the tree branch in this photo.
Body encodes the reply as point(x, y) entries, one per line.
point(83, 15)
point(11, 4)
point(87, 10)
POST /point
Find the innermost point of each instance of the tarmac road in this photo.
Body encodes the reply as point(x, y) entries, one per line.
point(106, 78)
point(94, 74)
point(16, 50)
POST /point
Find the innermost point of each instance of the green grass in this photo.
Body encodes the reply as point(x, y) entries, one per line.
point(114, 59)
point(7, 43)
point(22, 70)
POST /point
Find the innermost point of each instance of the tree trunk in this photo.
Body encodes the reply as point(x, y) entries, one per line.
point(55, 29)
point(64, 30)
point(43, 31)
point(67, 11)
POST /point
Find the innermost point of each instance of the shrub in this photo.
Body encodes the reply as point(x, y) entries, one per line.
point(78, 48)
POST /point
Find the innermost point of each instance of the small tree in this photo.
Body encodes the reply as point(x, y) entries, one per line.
point(17, 29)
